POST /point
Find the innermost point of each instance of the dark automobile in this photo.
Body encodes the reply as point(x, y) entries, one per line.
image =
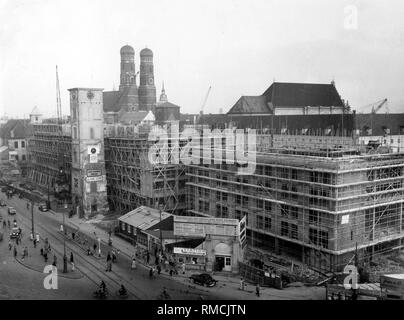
point(15, 232)
point(43, 207)
point(2, 203)
point(203, 279)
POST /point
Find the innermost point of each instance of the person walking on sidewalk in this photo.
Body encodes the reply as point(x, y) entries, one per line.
point(133, 266)
point(10, 246)
point(257, 290)
point(109, 262)
point(72, 260)
point(242, 284)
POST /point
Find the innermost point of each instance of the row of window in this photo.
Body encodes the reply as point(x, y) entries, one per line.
point(16, 144)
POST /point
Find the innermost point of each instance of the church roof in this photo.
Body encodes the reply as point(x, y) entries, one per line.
point(110, 101)
point(35, 112)
point(285, 94)
point(127, 49)
point(146, 52)
point(132, 117)
point(167, 105)
point(250, 104)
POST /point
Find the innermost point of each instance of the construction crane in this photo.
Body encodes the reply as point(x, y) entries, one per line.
point(61, 184)
point(378, 105)
point(204, 104)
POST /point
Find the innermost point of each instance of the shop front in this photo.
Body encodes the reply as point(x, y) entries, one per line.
point(194, 259)
point(223, 257)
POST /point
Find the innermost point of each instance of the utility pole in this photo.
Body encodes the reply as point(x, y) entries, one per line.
point(32, 219)
point(64, 241)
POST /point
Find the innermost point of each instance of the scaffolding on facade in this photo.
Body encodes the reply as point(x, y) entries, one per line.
point(321, 204)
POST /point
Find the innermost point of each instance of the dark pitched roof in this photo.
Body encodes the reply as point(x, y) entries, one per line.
point(302, 94)
point(18, 126)
point(250, 104)
point(110, 101)
point(167, 105)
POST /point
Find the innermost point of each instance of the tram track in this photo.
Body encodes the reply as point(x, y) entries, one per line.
point(84, 264)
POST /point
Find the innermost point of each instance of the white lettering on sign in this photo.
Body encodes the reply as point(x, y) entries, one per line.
point(190, 251)
point(92, 179)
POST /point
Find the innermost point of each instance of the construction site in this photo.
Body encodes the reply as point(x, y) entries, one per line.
point(133, 180)
point(314, 201)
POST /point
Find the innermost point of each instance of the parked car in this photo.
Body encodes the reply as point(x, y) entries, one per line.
point(203, 279)
point(15, 232)
point(4, 189)
point(2, 203)
point(11, 211)
point(43, 207)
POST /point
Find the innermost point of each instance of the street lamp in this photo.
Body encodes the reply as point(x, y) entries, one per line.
point(99, 246)
point(64, 242)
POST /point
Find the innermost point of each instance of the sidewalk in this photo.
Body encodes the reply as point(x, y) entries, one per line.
point(228, 285)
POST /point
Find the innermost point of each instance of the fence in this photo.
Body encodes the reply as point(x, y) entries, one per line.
point(255, 275)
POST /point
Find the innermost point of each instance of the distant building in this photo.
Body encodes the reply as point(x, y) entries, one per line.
point(14, 134)
point(166, 111)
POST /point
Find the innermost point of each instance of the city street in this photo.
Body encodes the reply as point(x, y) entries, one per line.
point(89, 270)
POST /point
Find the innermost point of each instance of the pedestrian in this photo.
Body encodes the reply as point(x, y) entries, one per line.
point(45, 256)
point(156, 262)
point(242, 284)
point(73, 235)
point(183, 267)
point(151, 272)
point(42, 252)
point(95, 248)
point(158, 269)
point(166, 263)
point(113, 256)
point(88, 251)
point(54, 260)
point(8, 223)
point(34, 242)
point(9, 245)
point(4, 224)
point(257, 290)
point(72, 260)
point(133, 266)
point(109, 262)
point(15, 252)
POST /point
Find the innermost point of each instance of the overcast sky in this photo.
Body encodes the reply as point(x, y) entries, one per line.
point(237, 47)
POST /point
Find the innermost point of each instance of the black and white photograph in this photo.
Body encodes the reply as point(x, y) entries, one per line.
point(221, 152)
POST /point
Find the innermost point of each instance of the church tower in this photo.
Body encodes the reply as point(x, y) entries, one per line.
point(129, 99)
point(147, 89)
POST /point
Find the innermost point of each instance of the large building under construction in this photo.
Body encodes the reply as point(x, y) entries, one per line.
point(317, 200)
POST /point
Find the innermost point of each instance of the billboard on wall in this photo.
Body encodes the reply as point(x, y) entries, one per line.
point(201, 226)
point(190, 251)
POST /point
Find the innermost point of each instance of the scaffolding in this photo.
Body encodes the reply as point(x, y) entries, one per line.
point(319, 202)
point(44, 146)
point(133, 180)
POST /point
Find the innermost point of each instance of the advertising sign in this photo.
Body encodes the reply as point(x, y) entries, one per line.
point(189, 251)
point(93, 173)
point(92, 179)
